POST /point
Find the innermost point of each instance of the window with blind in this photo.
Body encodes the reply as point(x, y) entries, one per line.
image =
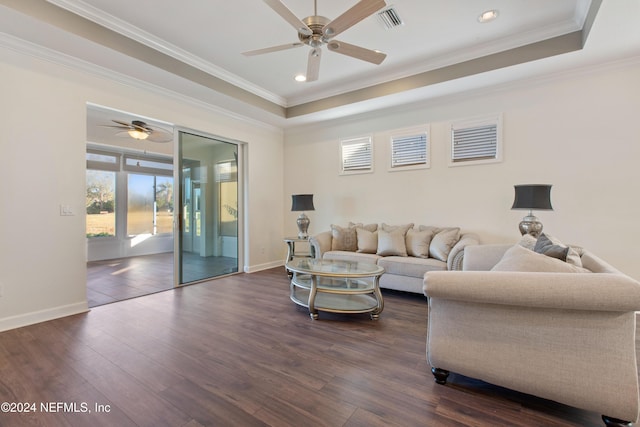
point(356, 155)
point(410, 149)
point(476, 141)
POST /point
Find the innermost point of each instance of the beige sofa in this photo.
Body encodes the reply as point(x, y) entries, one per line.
point(405, 251)
point(565, 336)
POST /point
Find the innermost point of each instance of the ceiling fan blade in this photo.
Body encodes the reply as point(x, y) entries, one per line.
point(160, 136)
point(121, 123)
point(313, 65)
point(362, 10)
point(115, 127)
point(286, 14)
point(357, 52)
point(272, 49)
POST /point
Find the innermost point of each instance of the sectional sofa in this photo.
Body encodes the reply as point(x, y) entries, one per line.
point(558, 323)
point(405, 251)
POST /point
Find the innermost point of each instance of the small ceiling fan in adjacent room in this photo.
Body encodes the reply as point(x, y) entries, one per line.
point(138, 129)
point(317, 31)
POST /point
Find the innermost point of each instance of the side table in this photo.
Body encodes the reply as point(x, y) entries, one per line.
point(291, 250)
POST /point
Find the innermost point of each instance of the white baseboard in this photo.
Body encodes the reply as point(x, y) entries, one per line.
point(260, 267)
point(26, 319)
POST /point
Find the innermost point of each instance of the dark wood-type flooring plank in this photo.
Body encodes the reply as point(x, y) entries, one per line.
point(237, 352)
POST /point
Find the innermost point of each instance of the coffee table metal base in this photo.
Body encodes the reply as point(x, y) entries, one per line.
point(338, 294)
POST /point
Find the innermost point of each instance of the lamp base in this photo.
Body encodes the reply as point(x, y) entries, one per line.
point(303, 225)
point(530, 225)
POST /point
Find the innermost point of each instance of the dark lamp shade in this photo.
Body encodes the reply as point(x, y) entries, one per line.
point(533, 197)
point(302, 202)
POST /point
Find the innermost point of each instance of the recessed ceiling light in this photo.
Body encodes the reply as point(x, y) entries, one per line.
point(488, 16)
point(301, 78)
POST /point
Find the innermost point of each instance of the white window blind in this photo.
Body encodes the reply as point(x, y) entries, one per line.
point(475, 141)
point(356, 155)
point(409, 150)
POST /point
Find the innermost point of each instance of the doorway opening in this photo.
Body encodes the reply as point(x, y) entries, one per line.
point(136, 213)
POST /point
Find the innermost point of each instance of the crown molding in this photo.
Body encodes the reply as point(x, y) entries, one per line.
point(33, 50)
point(119, 26)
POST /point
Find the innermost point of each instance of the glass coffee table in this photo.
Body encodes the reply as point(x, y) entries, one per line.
point(336, 286)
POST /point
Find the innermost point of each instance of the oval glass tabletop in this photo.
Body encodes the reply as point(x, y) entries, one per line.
point(321, 267)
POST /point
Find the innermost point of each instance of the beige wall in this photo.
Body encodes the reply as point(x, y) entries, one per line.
point(578, 131)
point(43, 110)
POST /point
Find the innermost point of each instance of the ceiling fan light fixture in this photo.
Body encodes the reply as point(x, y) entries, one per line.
point(488, 16)
point(138, 134)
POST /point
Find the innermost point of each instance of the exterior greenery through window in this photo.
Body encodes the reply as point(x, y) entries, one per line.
point(131, 189)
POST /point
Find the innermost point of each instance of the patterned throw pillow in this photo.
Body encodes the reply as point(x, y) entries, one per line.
point(344, 238)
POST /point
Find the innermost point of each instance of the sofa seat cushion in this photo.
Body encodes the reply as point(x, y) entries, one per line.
point(410, 266)
point(351, 256)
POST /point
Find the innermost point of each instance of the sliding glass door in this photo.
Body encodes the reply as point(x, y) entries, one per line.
point(207, 224)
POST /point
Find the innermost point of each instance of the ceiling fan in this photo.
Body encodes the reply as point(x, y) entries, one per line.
point(140, 130)
point(317, 31)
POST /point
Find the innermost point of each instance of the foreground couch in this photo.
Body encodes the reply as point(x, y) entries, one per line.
point(539, 325)
point(406, 252)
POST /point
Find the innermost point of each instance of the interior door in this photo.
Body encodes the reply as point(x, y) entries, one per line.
point(207, 242)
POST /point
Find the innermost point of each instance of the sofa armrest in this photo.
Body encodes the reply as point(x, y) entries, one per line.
point(483, 257)
point(456, 256)
point(320, 243)
point(575, 291)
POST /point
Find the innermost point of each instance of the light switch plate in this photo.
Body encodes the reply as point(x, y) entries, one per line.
point(66, 210)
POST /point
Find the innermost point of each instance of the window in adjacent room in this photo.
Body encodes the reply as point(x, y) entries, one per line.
point(356, 155)
point(410, 149)
point(143, 201)
point(101, 193)
point(476, 141)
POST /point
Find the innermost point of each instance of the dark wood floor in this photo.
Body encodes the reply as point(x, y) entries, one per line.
point(237, 352)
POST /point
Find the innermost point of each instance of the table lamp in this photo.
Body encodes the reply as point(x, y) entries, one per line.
point(530, 197)
point(301, 203)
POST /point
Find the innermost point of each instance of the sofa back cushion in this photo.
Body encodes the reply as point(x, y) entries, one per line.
point(367, 240)
point(418, 240)
point(442, 243)
point(343, 238)
point(346, 238)
point(391, 240)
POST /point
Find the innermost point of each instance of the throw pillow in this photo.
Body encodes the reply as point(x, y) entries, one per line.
point(368, 227)
point(528, 241)
point(550, 246)
point(391, 240)
point(387, 227)
point(443, 242)
point(367, 240)
point(518, 258)
point(343, 238)
point(418, 242)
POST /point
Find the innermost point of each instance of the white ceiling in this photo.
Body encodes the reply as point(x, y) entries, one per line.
point(434, 33)
point(210, 36)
